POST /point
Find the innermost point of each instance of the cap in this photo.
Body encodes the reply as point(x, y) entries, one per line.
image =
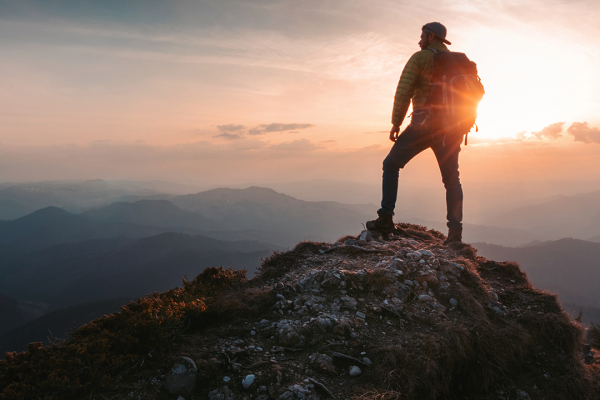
point(437, 29)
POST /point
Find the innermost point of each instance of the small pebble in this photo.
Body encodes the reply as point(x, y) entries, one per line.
point(355, 371)
point(248, 381)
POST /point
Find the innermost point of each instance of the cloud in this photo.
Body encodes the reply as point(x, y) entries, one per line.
point(229, 136)
point(552, 131)
point(277, 127)
point(234, 131)
point(583, 133)
point(296, 145)
point(230, 128)
point(286, 127)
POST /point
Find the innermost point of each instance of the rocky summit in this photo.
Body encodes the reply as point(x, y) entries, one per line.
point(367, 317)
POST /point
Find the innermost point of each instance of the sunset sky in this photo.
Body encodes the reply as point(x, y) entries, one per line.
point(233, 91)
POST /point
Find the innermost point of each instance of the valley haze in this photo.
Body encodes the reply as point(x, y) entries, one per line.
point(90, 246)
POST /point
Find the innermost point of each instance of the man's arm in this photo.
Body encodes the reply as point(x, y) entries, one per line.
point(404, 93)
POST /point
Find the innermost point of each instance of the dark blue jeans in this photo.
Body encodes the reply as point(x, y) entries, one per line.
point(413, 140)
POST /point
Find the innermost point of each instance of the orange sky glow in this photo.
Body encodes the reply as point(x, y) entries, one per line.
point(283, 90)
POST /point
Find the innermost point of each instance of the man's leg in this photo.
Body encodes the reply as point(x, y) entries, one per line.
point(410, 143)
point(447, 157)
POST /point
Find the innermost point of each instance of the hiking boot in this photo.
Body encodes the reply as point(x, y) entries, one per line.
point(454, 235)
point(383, 224)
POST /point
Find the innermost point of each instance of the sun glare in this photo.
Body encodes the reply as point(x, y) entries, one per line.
point(529, 83)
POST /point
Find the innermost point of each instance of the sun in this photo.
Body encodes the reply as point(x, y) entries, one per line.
point(529, 83)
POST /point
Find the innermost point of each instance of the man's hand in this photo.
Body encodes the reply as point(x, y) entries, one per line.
point(394, 133)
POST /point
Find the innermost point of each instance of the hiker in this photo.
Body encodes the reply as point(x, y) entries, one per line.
point(425, 131)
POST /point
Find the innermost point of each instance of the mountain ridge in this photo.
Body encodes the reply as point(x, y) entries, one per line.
point(400, 317)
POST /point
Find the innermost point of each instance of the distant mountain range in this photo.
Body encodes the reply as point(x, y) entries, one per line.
point(570, 267)
point(10, 314)
point(261, 213)
point(94, 270)
point(19, 199)
point(481, 233)
point(502, 213)
point(576, 216)
point(95, 241)
point(55, 325)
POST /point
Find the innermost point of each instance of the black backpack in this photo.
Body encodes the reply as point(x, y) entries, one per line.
point(455, 92)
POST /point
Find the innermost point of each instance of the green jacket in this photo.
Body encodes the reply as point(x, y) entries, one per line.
point(414, 82)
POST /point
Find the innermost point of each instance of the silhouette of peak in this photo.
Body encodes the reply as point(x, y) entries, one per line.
point(47, 214)
point(252, 194)
point(126, 208)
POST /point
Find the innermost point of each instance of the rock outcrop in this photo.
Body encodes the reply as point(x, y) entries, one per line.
point(368, 317)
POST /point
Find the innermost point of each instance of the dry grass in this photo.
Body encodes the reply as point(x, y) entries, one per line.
point(347, 237)
point(376, 394)
point(245, 303)
point(466, 250)
point(554, 329)
point(309, 247)
point(473, 359)
point(377, 281)
point(421, 232)
point(276, 265)
point(595, 331)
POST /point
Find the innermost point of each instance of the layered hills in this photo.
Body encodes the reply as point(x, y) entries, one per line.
point(561, 216)
point(129, 249)
point(369, 317)
point(76, 273)
point(20, 199)
point(56, 257)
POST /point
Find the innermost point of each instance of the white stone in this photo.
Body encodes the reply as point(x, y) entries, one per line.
point(226, 379)
point(248, 381)
point(426, 253)
point(453, 302)
point(355, 371)
point(366, 236)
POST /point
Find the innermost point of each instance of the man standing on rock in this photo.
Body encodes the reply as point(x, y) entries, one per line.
point(420, 135)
